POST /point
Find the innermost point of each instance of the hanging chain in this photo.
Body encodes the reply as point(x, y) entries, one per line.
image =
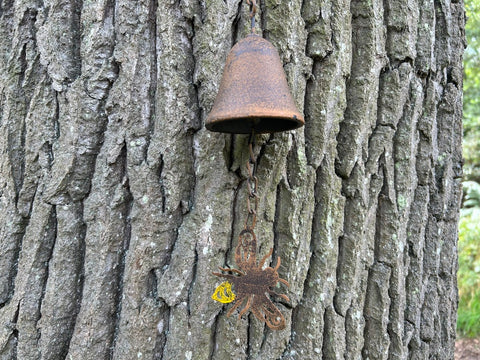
point(252, 187)
point(253, 11)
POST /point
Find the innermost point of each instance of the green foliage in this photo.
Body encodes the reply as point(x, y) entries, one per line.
point(471, 201)
point(468, 323)
point(471, 88)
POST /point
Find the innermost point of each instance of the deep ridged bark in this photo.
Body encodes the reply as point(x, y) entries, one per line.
point(116, 204)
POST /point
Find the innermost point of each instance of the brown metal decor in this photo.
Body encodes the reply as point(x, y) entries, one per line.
point(253, 283)
point(253, 98)
point(253, 94)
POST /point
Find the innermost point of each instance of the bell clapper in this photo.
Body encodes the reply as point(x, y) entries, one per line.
point(252, 282)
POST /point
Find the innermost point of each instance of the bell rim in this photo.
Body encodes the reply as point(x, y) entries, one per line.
point(245, 124)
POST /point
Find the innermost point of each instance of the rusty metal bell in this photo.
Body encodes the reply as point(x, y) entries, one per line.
point(253, 94)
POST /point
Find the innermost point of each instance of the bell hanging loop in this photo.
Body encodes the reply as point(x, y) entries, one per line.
point(253, 11)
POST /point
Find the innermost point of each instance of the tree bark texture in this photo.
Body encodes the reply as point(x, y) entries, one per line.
point(116, 204)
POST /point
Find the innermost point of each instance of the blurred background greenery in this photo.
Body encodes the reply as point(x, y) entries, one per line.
point(468, 324)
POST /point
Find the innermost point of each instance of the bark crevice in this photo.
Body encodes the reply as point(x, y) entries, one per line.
point(123, 250)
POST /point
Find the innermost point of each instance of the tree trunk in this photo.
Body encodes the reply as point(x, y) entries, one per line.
point(116, 204)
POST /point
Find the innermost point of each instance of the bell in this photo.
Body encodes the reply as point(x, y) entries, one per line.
point(253, 94)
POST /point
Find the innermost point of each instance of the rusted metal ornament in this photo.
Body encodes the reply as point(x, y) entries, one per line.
point(253, 283)
point(253, 94)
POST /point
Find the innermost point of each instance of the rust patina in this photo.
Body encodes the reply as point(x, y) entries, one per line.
point(253, 94)
point(254, 283)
